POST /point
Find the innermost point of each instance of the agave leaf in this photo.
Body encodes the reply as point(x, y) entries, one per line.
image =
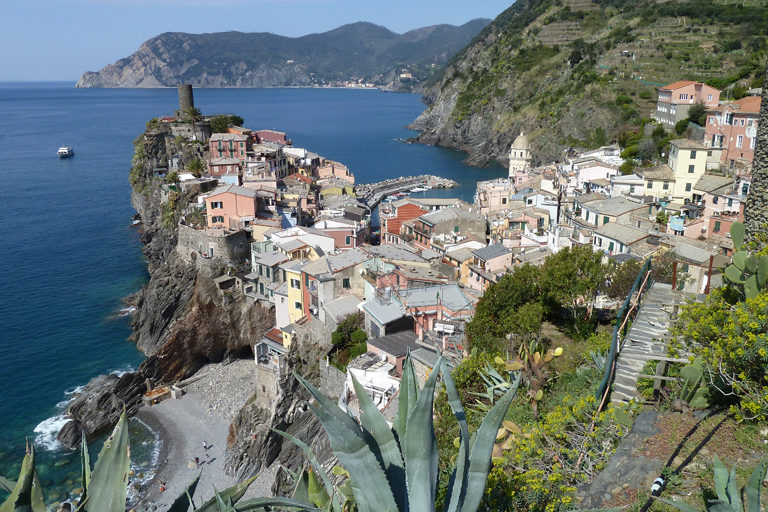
point(408, 395)
point(315, 491)
point(480, 454)
point(733, 491)
point(681, 505)
point(457, 487)
point(737, 234)
point(301, 491)
point(740, 259)
point(392, 461)
point(420, 449)
point(751, 289)
point(752, 491)
point(350, 445)
point(721, 479)
point(733, 274)
point(6, 485)
point(762, 270)
point(109, 480)
point(314, 463)
point(26, 495)
point(182, 503)
point(231, 495)
point(721, 506)
point(257, 504)
point(85, 462)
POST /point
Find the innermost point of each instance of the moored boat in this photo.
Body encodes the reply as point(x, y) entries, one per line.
point(65, 152)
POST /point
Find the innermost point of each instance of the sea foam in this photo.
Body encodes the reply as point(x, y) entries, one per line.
point(47, 430)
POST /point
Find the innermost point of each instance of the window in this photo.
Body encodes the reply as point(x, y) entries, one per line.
point(345, 283)
point(217, 219)
point(216, 205)
point(261, 288)
point(730, 202)
point(268, 271)
point(261, 270)
point(693, 154)
point(739, 141)
point(715, 199)
point(503, 200)
point(728, 118)
point(296, 284)
point(610, 246)
point(751, 143)
point(347, 240)
point(709, 97)
point(297, 305)
point(455, 229)
point(741, 122)
point(605, 219)
point(649, 184)
point(599, 241)
point(687, 187)
point(716, 229)
point(586, 217)
point(631, 189)
point(691, 169)
point(683, 96)
point(306, 280)
point(666, 185)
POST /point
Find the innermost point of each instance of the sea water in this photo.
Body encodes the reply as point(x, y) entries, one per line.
point(70, 253)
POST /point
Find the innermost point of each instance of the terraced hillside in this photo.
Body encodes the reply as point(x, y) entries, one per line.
point(579, 72)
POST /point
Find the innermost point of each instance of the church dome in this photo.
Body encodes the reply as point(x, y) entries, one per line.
point(521, 142)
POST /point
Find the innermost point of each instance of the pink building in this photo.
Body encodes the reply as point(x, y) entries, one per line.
point(733, 128)
point(229, 145)
point(234, 207)
point(675, 100)
point(335, 170)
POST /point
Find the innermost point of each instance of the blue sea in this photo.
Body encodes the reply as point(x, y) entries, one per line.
point(70, 253)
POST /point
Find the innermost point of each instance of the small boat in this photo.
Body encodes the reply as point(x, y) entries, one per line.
point(65, 152)
point(419, 189)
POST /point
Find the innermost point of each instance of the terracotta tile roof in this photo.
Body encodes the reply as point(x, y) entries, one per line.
point(748, 105)
point(677, 85)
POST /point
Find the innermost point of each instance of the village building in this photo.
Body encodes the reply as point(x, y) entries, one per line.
point(331, 169)
point(272, 136)
point(732, 128)
point(347, 233)
point(676, 99)
point(234, 207)
point(454, 222)
point(229, 145)
point(393, 215)
point(614, 238)
point(487, 265)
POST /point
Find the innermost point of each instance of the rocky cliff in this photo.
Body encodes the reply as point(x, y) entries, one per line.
point(580, 72)
point(182, 321)
point(359, 52)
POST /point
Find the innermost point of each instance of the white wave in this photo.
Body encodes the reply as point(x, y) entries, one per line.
point(47, 430)
point(122, 371)
point(126, 311)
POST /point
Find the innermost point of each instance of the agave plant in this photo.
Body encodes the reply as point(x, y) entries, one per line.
point(396, 469)
point(728, 493)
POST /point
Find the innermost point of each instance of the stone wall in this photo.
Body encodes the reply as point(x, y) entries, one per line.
point(201, 243)
point(332, 380)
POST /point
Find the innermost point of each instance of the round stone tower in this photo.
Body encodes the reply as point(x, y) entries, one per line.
point(186, 99)
point(520, 158)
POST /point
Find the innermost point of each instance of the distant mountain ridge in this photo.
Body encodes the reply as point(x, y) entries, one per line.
point(358, 52)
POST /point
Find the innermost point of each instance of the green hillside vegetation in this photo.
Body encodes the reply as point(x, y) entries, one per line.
point(575, 72)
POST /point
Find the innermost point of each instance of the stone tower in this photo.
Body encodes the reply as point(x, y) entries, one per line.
point(186, 99)
point(520, 159)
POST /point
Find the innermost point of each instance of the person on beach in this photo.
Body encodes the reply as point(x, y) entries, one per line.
point(197, 462)
point(205, 447)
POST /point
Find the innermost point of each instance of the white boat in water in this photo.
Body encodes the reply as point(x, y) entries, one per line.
point(419, 189)
point(65, 152)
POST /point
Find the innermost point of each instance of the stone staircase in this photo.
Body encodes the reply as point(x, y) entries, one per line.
point(647, 339)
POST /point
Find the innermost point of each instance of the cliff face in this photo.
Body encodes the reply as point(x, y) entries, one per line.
point(356, 52)
point(252, 444)
point(579, 72)
point(182, 321)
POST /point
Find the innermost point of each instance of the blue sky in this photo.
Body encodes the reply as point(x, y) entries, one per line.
point(59, 39)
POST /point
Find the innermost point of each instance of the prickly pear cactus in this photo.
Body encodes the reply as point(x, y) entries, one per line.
point(747, 272)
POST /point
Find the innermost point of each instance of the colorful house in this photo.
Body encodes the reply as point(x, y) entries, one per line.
point(235, 207)
point(732, 127)
point(229, 145)
point(675, 100)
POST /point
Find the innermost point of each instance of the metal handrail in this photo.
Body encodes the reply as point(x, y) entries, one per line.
point(621, 324)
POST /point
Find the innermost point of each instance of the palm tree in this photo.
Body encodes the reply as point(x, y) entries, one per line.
point(195, 167)
point(756, 210)
point(192, 114)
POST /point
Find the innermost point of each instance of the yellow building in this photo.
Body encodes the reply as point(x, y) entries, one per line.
point(688, 160)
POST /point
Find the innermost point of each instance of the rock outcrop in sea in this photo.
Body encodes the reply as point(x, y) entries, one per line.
point(181, 322)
